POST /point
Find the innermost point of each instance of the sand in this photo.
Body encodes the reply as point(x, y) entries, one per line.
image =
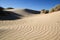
point(35, 27)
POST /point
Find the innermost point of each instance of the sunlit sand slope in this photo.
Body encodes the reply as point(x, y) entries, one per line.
point(37, 27)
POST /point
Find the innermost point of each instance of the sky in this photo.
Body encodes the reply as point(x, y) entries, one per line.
point(30, 4)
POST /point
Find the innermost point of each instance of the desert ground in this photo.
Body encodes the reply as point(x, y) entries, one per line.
point(31, 26)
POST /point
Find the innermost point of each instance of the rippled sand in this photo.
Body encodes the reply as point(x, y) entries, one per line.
point(37, 27)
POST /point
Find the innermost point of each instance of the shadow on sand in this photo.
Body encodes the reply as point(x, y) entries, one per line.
point(8, 15)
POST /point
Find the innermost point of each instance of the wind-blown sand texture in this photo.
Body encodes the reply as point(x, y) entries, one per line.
point(35, 27)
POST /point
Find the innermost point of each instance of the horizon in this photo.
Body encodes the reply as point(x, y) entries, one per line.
point(30, 4)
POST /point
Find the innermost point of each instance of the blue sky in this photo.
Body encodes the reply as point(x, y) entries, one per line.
point(31, 4)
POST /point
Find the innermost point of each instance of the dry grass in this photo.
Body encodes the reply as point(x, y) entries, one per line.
point(56, 8)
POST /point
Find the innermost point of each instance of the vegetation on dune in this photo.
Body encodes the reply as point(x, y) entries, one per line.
point(47, 11)
point(56, 8)
point(44, 11)
point(1, 8)
point(10, 8)
point(2, 13)
point(32, 11)
point(52, 10)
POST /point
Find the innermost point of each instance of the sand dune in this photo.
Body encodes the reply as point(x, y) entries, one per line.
point(36, 27)
point(25, 12)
